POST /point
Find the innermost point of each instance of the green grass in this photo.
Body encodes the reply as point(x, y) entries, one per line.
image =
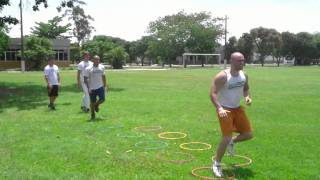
point(36, 143)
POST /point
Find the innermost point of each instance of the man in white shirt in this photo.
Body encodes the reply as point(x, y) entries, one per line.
point(51, 75)
point(95, 80)
point(227, 88)
point(85, 104)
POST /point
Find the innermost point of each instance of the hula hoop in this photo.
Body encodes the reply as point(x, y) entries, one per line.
point(193, 172)
point(161, 145)
point(190, 158)
point(182, 146)
point(130, 136)
point(162, 135)
point(147, 128)
point(247, 163)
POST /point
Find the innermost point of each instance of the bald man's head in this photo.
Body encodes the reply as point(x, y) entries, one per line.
point(236, 56)
point(237, 61)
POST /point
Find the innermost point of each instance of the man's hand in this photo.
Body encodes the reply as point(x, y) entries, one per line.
point(222, 112)
point(248, 101)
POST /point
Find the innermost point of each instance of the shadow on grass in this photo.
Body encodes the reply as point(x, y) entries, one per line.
point(22, 96)
point(97, 119)
point(243, 173)
point(27, 96)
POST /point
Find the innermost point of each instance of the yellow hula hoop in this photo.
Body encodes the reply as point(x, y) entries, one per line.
point(193, 172)
point(191, 158)
point(182, 146)
point(162, 135)
point(147, 128)
point(249, 161)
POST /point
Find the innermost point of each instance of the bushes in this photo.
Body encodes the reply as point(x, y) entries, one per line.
point(117, 57)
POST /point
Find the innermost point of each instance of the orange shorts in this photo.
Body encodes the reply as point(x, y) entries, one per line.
point(236, 121)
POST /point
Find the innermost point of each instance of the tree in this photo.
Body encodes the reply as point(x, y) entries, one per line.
point(183, 32)
point(304, 48)
point(245, 46)
point(38, 50)
point(117, 57)
point(288, 43)
point(142, 47)
point(52, 29)
point(6, 19)
point(99, 45)
point(266, 40)
point(316, 39)
point(12, 20)
point(81, 22)
point(231, 46)
point(75, 52)
point(4, 39)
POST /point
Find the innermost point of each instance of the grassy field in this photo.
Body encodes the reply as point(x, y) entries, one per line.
point(36, 143)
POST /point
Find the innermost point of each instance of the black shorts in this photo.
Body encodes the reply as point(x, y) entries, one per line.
point(54, 91)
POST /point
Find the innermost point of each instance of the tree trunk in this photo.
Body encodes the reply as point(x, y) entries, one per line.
point(142, 58)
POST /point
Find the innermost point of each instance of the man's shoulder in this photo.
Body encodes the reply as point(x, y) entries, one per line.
point(47, 67)
point(222, 74)
point(101, 66)
point(221, 77)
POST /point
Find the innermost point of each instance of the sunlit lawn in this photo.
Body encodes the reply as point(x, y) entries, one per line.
point(36, 143)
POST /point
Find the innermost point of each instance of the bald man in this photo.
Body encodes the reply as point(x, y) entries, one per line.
point(226, 90)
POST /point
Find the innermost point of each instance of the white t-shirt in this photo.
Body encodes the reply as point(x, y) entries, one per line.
point(232, 91)
point(82, 67)
point(95, 76)
point(51, 72)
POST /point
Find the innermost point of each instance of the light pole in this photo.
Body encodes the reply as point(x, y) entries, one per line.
point(225, 42)
point(23, 65)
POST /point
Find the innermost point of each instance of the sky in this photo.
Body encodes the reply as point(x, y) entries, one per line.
point(129, 19)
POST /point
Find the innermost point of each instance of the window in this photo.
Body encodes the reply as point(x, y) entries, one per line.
point(61, 55)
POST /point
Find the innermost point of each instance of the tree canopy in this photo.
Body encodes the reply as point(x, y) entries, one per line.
point(52, 29)
point(182, 32)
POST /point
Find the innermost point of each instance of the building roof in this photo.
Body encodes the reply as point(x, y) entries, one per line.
point(15, 43)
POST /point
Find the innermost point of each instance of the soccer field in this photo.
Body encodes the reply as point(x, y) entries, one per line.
point(36, 143)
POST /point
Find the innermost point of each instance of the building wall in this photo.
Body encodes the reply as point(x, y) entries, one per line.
point(17, 64)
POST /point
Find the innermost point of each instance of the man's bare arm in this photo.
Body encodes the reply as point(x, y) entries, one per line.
point(217, 83)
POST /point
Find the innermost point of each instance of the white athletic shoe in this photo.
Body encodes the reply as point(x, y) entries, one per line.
point(230, 148)
point(217, 170)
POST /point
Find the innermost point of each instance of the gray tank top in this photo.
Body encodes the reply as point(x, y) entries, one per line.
point(232, 91)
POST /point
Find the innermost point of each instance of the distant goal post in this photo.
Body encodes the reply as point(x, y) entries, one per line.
point(186, 56)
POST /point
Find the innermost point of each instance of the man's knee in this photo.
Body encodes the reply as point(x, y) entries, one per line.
point(226, 139)
point(249, 135)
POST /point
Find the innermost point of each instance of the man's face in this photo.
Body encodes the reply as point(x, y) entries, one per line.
point(238, 62)
point(50, 62)
point(96, 60)
point(86, 56)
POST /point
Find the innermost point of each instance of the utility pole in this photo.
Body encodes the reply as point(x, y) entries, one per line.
point(225, 42)
point(23, 65)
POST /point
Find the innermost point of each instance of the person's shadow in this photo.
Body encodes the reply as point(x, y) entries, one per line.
point(27, 95)
point(243, 173)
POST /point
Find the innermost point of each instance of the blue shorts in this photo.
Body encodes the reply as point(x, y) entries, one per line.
point(97, 92)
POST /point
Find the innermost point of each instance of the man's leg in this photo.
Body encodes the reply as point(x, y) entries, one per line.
point(86, 97)
point(222, 147)
point(243, 137)
point(93, 99)
point(101, 95)
point(243, 126)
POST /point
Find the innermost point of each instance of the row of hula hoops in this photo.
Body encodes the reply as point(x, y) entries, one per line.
point(184, 146)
